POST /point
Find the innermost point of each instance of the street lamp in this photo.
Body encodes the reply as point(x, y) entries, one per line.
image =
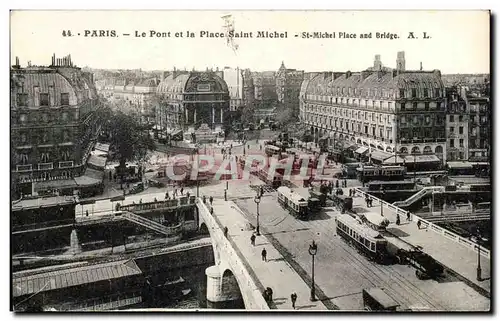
point(313, 249)
point(478, 276)
point(256, 199)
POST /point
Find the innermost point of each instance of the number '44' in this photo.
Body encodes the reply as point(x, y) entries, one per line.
point(66, 33)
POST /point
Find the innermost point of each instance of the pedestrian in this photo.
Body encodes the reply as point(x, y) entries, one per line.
point(345, 182)
point(350, 192)
point(225, 231)
point(270, 294)
point(337, 184)
point(264, 255)
point(204, 199)
point(261, 147)
point(353, 192)
point(248, 146)
point(182, 190)
point(212, 210)
point(398, 220)
point(252, 239)
point(175, 192)
point(371, 202)
point(294, 299)
point(86, 212)
point(261, 191)
point(188, 194)
point(211, 199)
point(167, 196)
point(408, 216)
point(110, 175)
point(419, 224)
point(367, 201)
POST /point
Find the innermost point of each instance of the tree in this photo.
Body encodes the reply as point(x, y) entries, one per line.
point(130, 139)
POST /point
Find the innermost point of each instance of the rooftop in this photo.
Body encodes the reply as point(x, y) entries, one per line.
point(23, 284)
point(32, 203)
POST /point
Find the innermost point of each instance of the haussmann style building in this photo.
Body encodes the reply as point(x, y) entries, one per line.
point(54, 126)
point(380, 111)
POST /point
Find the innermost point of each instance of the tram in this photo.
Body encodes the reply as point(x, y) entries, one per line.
point(294, 203)
point(368, 234)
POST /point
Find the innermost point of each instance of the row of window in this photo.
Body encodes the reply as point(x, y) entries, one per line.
point(47, 117)
point(359, 128)
point(42, 99)
point(45, 137)
point(416, 150)
point(44, 157)
point(376, 92)
point(416, 119)
point(472, 143)
point(421, 132)
point(289, 203)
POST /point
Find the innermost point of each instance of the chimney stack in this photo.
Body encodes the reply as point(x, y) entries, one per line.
point(421, 67)
point(174, 73)
point(53, 60)
point(400, 61)
point(377, 63)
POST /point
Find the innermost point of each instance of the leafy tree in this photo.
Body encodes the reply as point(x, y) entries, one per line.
point(130, 139)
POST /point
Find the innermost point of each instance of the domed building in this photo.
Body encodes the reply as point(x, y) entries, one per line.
point(379, 111)
point(188, 99)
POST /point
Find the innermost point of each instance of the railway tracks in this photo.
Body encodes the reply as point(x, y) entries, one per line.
point(397, 284)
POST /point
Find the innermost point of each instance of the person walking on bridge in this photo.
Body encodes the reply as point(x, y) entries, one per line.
point(294, 299)
point(211, 199)
point(252, 239)
point(264, 255)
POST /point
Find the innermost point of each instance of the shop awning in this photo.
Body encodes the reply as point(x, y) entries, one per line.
point(380, 155)
point(55, 184)
point(99, 162)
point(394, 160)
point(362, 150)
point(422, 159)
point(102, 147)
point(99, 153)
point(459, 165)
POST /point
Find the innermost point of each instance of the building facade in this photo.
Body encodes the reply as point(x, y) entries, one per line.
point(288, 84)
point(468, 124)
point(185, 100)
point(54, 123)
point(234, 80)
point(265, 95)
point(391, 110)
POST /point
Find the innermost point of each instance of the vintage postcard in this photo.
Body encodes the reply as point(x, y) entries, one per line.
point(250, 160)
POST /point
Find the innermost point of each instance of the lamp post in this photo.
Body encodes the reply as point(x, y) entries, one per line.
point(478, 276)
point(257, 201)
point(313, 249)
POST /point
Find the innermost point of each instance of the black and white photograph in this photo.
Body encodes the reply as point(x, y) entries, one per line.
point(253, 160)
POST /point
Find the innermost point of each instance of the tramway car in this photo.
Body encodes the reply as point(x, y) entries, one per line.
point(293, 202)
point(370, 242)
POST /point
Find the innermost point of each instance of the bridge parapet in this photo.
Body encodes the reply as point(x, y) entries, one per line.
point(227, 257)
point(431, 226)
point(159, 205)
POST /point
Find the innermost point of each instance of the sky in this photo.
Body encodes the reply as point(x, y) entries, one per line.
point(458, 40)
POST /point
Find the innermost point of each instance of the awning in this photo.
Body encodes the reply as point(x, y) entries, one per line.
point(99, 153)
point(362, 150)
point(83, 181)
point(55, 184)
point(102, 147)
point(461, 165)
point(394, 160)
point(99, 162)
point(94, 173)
point(422, 159)
point(380, 155)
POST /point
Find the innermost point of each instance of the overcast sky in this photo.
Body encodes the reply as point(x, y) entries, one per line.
point(459, 40)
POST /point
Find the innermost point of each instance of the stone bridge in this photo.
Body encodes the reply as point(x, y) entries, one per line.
point(230, 283)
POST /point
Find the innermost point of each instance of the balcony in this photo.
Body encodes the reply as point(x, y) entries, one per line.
point(45, 166)
point(24, 168)
point(66, 164)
